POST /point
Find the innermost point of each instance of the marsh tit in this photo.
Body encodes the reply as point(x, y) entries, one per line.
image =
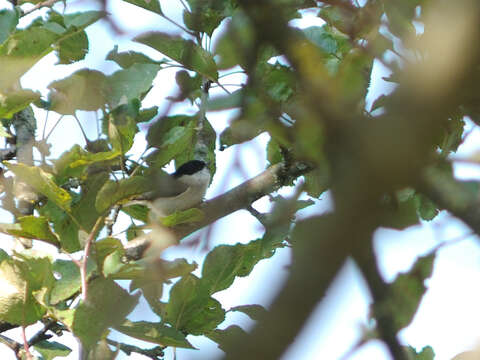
point(181, 190)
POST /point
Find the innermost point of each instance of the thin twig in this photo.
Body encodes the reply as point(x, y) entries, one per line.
point(28, 354)
point(10, 343)
point(177, 24)
point(81, 128)
point(155, 353)
point(47, 3)
point(53, 128)
point(83, 267)
point(41, 335)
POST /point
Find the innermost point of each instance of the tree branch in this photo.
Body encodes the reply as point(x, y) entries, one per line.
point(238, 198)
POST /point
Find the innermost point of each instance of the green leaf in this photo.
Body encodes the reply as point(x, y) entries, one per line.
point(235, 43)
point(8, 23)
point(41, 182)
point(155, 333)
point(427, 210)
point(74, 162)
point(177, 140)
point(147, 114)
point(225, 262)
point(225, 102)
point(183, 217)
point(406, 292)
point(17, 305)
point(51, 349)
point(116, 268)
point(101, 350)
point(274, 154)
point(190, 308)
point(73, 43)
point(33, 227)
point(185, 52)
point(130, 83)
point(227, 337)
point(124, 189)
point(73, 49)
point(322, 38)
point(75, 92)
point(136, 211)
point(400, 214)
point(151, 5)
point(13, 102)
point(380, 102)
point(93, 317)
point(426, 353)
point(129, 58)
point(70, 281)
point(254, 312)
point(122, 127)
point(33, 43)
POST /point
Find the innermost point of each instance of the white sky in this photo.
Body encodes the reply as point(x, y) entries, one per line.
point(447, 319)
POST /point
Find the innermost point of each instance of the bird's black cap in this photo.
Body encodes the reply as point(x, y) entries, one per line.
point(189, 168)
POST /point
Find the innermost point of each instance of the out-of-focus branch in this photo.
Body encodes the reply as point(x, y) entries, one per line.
point(453, 196)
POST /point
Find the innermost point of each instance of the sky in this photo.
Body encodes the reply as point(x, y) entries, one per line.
point(447, 318)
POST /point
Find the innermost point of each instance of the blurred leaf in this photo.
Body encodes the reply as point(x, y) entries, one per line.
point(206, 16)
point(427, 210)
point(8, 23)
point(122, 127)
point(183, 217)
point(234, 44)
point(15, 101)
point(322, 38)
point(400, 213)
point(102, 350)
point(274, 154)
point(185, 52)
point(177, 140)
point(41, 182)
point(155, 333)
point(225, 102)
point(406, 292)
point(254, 312)
point(425, 354)
point(115, 191)
point(227, 337)
point(33, 227)
point(92, 318)
point(379, 103)
point(130, 83)
point(147, 114)
point(75, 92)
point(74, 162)
point(129, 58)
point(190, 308)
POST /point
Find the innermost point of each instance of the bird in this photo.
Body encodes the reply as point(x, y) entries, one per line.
point(179, 191)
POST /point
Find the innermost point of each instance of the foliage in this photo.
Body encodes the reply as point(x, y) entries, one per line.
point(305, 88)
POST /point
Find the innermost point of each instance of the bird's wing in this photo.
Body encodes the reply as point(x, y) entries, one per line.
point(163, 185)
